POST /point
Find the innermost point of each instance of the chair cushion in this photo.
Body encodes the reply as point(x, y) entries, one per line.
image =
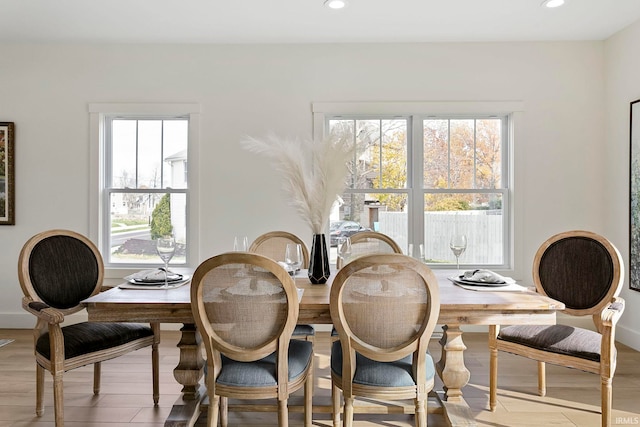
point(385, 374)
point(89, 337)
point(304, 330)
point(63, 271)
point(263, 372)
point(560, 339)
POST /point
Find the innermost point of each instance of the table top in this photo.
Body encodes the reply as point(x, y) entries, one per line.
point(457, 305)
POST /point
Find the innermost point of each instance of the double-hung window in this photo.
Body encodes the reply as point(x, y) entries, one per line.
point(144, 182)
point(421, 177)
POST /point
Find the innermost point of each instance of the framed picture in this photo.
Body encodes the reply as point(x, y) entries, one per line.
point(7, 174)
point(634, 197)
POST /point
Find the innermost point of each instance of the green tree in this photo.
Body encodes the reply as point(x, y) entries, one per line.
point(161, 218)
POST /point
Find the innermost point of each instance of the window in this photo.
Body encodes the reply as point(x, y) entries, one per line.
point(421, 178)
point(143, 193)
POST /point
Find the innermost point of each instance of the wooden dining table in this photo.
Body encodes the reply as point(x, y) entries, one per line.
point(458, 307)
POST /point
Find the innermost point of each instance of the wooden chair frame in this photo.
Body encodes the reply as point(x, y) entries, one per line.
point(352, 344)
point(50, 319)
point(260, 240)
point(371, 235)
point(215, 346)
point(605, 316)
point(256, 247)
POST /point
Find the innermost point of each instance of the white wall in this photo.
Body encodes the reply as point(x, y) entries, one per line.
point(622, 87)
point(254, 89)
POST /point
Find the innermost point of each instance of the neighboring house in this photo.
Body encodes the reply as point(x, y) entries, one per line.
point(178, 164)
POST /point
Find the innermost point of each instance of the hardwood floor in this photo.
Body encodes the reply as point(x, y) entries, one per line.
point(125, 400)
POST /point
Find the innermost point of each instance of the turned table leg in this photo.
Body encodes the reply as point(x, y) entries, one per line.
point(189, 372)
point(451, 367)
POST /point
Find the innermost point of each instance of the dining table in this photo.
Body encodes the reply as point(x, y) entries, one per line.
point(459, 307)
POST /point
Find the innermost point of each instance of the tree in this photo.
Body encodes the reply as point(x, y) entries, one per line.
point(390, 165)
point(161, 218)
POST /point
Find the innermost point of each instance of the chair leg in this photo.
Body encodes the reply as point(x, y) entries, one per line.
point(58, 399)
point(606, 395)
point(97, 370)
point(224, 411)
point(421, 415)
point(155, 363)
point(348, 412)
point(335, 399)
point(308, 398)
point(39, 390)
point(542, 379)
point(283, 413)
point(493, 369)
point(212, 416)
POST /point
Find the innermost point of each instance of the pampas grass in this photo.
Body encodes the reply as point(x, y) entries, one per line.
point(313, 172)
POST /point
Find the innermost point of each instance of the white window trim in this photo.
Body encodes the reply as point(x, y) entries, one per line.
point(97, 112)
point(513, 109)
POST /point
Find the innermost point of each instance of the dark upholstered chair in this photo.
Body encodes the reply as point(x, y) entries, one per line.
point(273, 245)
point(385, 308)
point(585, 272)
point(57, 269)
point(246, 307)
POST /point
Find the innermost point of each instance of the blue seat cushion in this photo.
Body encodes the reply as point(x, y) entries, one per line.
point(560, 339)
point(263, 372)
point(382, 374)
point(89, 337)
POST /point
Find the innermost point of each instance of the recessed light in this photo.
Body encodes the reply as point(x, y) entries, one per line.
point(552, 3)
point(335, 4)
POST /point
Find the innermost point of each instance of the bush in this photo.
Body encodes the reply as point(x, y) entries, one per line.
point(161, 218)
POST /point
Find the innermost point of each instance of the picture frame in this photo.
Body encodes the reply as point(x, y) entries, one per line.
point(634, 196)
point(7, 173)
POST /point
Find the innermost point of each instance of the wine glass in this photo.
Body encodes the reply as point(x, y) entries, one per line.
point(344, 249)
point(240, 244)
point(166, 248)
point(293, 257)
point(458, 245)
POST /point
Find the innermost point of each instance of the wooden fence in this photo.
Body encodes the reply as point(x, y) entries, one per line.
point(483, 228)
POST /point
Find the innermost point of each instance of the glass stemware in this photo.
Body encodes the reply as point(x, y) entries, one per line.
point(344, 249)
point(293, 257)
point(166, 248)
point(240, 244)
point(458, 245)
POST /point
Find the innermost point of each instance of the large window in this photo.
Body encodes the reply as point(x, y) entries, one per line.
point(422, 178)
point(144, 191)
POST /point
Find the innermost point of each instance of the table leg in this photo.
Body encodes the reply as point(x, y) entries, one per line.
point(454, 376)
point(189, 372)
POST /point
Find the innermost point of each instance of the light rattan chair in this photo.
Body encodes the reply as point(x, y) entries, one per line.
point(370, 242)
point(385, 308)
point(246, 307)
point(273, 245)
point(584, 271)
point(57, 269)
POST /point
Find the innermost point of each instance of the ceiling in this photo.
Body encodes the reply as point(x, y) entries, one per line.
point(308, 21)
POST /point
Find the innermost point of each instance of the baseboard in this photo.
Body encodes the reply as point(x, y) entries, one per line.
point(628, 337)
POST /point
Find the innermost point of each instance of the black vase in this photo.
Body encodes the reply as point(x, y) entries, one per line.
point(319, 261)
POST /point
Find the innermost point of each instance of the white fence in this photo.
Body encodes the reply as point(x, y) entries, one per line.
point(483, 229)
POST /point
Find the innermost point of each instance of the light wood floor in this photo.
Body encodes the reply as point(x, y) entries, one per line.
point(572, 397)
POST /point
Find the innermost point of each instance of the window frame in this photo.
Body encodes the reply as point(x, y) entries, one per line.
point(416, 112)
point(99, 114)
